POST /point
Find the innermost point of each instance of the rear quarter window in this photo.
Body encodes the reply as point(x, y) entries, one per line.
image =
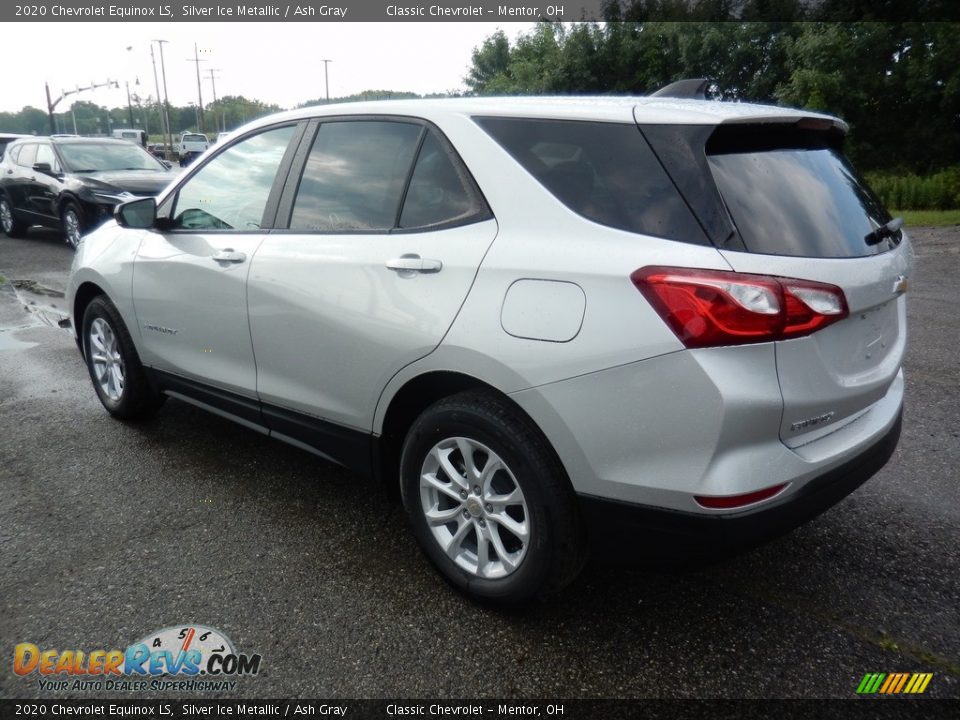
point(605, 172)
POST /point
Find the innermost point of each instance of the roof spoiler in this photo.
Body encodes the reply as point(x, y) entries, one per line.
point(688, 89)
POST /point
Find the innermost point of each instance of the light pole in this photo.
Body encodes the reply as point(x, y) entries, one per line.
point(326, 78)
point(129, 104)
point(52, 104)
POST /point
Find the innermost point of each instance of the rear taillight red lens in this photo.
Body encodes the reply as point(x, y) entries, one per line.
point(707, 308)
point(728, 502)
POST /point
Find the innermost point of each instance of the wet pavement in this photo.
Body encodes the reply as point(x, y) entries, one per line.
point(109, 531)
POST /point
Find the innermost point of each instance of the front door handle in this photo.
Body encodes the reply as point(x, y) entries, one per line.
point(413, 263)
point(229, 255)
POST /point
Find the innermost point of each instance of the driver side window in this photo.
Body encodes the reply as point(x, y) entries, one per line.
point(230, 192)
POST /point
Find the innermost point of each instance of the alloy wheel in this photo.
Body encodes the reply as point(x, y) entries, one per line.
point(105, 359)
point(71, 227)
point(474, 507)
point(6, 216)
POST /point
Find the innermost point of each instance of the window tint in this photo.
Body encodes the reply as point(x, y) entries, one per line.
point(800, 202)
point(230, 192)
point(439, 191)
point(354, 176)
point(110, 155)
point(45, 155)
point(605, 172)
point(27, 155)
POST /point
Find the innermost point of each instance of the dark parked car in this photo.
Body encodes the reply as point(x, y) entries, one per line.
point(73, 183)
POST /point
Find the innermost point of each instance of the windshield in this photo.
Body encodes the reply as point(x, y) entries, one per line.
point(97, 157)
point(194, 138)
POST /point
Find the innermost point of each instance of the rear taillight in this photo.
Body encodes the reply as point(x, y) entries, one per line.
point(706, 308)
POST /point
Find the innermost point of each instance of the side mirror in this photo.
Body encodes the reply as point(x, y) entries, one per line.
point(140, 213)
point(44, 168)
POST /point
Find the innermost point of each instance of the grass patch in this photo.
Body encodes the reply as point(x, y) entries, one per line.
point(935, 218)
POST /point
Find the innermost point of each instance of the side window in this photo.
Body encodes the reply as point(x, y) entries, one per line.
point(440, 192)
point(45, 155)
point(605, 172)
point(27, 155)
point(230, 192)
point(354, 176)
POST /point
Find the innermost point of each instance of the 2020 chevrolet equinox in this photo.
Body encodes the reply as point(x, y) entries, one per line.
point(629, 324)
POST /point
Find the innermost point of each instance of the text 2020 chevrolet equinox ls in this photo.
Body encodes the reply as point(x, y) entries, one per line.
point(552, 322)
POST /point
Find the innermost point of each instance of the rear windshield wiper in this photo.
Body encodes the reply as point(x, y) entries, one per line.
point(890, 229)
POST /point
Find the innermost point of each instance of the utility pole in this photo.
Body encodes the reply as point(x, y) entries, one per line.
point(166, 98)
point(213, 85)
point(326, 78)
point(156, 83)
point(196, 61)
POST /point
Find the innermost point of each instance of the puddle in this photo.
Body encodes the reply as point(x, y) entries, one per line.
point(45, 304)
point(9, 342)
point(44, 307)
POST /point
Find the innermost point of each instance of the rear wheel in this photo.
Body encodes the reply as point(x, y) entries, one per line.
point(71, 219)
point(118, 376)
point(489, 502)
point(8, 221)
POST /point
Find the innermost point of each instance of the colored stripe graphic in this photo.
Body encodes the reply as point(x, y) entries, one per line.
point(870, 683)
point(894, 683)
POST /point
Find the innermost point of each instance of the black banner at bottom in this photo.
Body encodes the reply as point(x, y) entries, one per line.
point(156, 709)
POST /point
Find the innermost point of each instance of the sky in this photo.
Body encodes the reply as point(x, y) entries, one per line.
point(277, 63)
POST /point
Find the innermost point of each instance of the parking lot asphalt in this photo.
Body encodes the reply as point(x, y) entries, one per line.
point(110, 531)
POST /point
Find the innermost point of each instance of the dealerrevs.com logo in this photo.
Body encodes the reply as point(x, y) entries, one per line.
point(186, 657)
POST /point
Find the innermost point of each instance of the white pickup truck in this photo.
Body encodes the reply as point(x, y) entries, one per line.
point(192, 145)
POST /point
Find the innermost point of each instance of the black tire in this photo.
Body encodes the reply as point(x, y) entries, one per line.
point(137, 398)
point(555, 549)
point(8, 220)
point(72, 223)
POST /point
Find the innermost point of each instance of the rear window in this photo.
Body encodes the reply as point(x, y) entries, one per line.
point(798, 201)
point(605, 172)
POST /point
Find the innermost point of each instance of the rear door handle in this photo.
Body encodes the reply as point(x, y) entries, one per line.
point(229, 255)
point(413, 263)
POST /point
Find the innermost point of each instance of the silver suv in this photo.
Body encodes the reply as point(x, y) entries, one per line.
point(649, 327)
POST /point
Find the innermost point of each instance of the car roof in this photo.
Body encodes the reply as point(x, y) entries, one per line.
point(76, 139)
point(604, 108)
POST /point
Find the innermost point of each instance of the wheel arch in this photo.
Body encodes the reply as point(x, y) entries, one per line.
point(85, 293)
point(416, 395)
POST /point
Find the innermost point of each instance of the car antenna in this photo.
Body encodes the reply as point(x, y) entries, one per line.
point(687, 89)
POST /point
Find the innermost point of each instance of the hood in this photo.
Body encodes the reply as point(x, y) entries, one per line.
point(136, 182)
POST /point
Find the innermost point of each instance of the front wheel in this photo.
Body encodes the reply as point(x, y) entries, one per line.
point(488, 500)
point(118, 376)
point(71, 219)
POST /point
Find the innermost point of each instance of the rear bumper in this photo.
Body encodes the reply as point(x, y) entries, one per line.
point(649, 534)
